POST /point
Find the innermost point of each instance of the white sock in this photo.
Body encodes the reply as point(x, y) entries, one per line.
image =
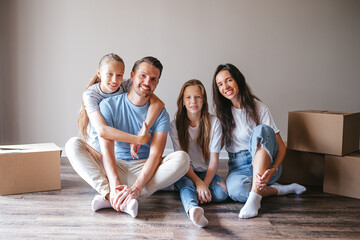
point(99, 202)
point(132, 208)
point(251, 207)
point(196, 215)
point(287, 189)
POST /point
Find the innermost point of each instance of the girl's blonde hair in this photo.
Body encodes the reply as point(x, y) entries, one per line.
point(182, 121)
point(83, 119)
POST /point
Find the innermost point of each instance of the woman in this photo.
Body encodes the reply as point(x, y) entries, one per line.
point(252, 140)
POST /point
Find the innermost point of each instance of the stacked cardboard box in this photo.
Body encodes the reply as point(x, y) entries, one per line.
point(29, 168)
point(319, 144)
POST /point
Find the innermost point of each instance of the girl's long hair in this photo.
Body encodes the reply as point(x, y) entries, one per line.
point(83, 119)
point(182, 121)
point(223, 105)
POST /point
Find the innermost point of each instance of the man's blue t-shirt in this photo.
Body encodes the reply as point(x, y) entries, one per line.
point(121, 114)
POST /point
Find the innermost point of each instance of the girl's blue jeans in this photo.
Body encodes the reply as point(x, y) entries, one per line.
point(240, 176)
point(188, 193)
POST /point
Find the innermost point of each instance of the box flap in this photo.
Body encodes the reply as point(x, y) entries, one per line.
point(27, 148)
point(326, 112)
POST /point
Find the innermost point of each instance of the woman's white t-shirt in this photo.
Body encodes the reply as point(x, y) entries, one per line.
point(242, 131)
point(197, 161)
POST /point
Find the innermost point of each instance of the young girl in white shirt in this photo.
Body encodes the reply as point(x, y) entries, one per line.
point(252, 140)
point(198, 133)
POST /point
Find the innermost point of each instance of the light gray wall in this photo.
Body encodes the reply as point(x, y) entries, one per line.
point(295, 54)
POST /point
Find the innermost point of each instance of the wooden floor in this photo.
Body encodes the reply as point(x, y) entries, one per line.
point(66, 214)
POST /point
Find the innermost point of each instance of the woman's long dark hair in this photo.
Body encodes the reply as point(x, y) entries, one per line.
point(223, 105)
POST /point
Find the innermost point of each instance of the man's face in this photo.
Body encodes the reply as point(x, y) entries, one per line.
point(145, 79)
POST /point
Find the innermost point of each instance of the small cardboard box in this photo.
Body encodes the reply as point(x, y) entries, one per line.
point(341, 175)
point(303, 167)
point(29, 168)
point(333, 133)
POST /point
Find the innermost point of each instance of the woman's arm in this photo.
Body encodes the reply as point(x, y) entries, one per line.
point(111, 133)
point(280, 155)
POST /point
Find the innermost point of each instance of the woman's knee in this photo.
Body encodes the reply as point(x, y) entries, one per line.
point(263, 131)
point(263, 136)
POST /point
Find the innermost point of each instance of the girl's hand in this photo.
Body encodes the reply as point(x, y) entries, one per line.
point(145, 137)
point(263, 180)
point(203, 192)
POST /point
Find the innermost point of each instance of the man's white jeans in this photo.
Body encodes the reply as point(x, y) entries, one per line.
point(87, 162)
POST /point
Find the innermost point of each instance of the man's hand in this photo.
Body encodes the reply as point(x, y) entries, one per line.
point(203, 192)
point(121, 195)
point(145, 136)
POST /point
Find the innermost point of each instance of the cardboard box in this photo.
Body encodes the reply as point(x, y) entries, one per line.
point(303, 168)
point(29, 168)
point(334, 133)
point(342, 176)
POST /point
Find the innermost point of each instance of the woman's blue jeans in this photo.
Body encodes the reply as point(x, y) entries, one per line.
point(188, 193)
point(240, 176)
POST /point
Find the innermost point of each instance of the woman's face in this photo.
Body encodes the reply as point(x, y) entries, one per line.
point(111, 75)
point(227, 85)
point(193, 100)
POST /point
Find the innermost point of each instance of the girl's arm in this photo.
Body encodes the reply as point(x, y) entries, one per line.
point(111, 133)
point(155, 108)
point(213, 166)
point(202, 189)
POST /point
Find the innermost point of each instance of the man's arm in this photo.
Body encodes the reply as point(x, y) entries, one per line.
point(107, 149)
point(152, 163)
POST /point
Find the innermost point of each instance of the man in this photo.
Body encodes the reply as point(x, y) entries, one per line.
point(115, 174)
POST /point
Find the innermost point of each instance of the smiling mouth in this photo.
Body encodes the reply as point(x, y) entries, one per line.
point(229, 92)
point(145, 88)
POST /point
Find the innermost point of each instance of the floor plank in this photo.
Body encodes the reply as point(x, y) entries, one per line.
point(66, 214)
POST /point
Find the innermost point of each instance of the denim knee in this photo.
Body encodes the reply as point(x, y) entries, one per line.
point(239, 187)
point(218, 193)
point(267, 138)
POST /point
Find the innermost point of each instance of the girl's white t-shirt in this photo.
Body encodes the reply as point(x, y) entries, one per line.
point(242, 131)
point(93, 95)
point(92, 98)
point(197, 161)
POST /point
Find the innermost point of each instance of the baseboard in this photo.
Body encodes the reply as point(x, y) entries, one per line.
point(223, 153)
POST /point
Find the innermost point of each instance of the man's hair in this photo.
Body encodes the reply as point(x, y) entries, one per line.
point(150, 60)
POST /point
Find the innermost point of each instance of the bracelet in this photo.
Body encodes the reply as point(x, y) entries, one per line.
point(136, 188)
point(276, 168)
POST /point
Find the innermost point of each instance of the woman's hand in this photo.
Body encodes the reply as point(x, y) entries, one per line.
point(203, 192)
point(263, 180)
point(121, 195)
